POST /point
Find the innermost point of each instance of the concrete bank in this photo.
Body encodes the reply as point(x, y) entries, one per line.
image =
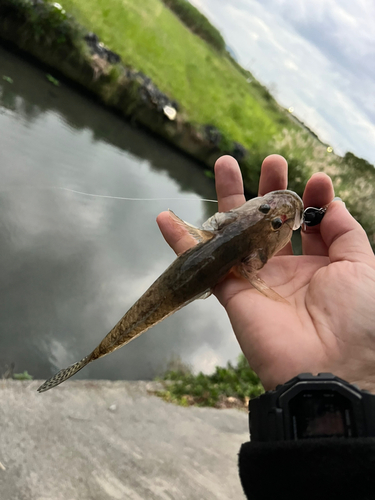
point(100, 440)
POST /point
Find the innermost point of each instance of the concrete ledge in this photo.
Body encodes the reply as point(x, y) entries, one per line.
point(99, 440)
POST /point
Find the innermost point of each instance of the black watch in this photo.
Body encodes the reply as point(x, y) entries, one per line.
point(312, 406)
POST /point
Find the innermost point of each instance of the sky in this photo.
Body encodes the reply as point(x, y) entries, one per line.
point(316, 56)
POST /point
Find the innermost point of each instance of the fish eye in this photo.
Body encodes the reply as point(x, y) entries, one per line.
point(277, 223)
point(265, 208)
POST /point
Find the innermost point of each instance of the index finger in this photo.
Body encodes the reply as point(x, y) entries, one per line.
point(229, 188)
point(229, 184)
point(273, 175)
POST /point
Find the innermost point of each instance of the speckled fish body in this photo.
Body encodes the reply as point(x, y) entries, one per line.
point(242, 239)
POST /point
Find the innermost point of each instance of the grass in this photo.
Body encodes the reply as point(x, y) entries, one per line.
point(209, 87)
point(228, 387)
point(22, 376)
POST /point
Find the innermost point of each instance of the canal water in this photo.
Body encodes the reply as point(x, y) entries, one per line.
point(70, 264)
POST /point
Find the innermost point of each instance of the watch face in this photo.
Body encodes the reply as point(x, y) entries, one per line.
point(321, 413)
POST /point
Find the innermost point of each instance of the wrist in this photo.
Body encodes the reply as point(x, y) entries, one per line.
point(365, 385)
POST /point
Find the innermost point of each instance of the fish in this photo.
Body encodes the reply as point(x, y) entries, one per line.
point(241, 240)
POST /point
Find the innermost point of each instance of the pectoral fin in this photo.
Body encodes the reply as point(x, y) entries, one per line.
point(260, 285)
point(219, 220)
point(200, 235)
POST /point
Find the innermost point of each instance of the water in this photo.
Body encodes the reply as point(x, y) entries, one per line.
point(71, 265)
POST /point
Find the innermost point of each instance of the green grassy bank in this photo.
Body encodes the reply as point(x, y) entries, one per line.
point(208, 86)
point(213, 92)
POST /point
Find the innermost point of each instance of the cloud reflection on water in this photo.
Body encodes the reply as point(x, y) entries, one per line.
point(72, 265)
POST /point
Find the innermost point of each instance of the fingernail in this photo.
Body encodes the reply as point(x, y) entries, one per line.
point(337, 198)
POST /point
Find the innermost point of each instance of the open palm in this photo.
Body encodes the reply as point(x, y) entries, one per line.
point(328, 324)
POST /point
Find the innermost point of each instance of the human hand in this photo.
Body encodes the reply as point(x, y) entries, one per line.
point(329, 323)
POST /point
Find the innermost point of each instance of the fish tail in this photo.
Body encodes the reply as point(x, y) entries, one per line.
point(64, 374)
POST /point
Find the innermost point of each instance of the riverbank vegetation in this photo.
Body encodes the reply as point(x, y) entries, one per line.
point(214, 91)
point(208, 87)
point(220, 105)
point(228, 387)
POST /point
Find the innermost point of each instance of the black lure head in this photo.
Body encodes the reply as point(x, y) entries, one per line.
point(313, 216)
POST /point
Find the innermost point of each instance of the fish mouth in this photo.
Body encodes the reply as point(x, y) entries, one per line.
point(298, 220)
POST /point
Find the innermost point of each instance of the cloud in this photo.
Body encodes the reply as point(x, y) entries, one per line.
point(315, 57)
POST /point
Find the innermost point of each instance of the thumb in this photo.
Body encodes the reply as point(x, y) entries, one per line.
point(344, 236)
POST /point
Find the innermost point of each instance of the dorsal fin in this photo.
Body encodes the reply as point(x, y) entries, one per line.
point(200, 235)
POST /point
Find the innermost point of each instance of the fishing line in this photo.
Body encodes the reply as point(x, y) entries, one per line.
point(133, 199)
point(93, 195)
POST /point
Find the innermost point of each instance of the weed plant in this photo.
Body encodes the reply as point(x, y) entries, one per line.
point(45, 23)
point(22, 376)
point(228, 385)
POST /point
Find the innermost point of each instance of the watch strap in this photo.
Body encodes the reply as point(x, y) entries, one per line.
point(323, 468)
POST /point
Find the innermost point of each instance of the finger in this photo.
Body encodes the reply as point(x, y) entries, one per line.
point(229, 184)
point(318, 193)
point(229, 187)
point(344, 236)
point(274, 176)
point(174, 234)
